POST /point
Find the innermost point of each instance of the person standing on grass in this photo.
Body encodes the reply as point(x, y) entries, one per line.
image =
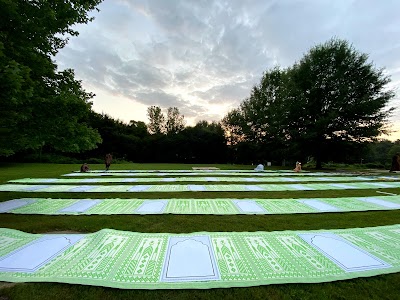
point(108, 160)
point(395, 163)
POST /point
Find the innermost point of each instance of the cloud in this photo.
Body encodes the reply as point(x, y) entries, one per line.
point(195, 54)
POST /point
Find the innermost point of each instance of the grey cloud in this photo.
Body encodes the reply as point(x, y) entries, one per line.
point(193, 110)
point(158, 98)
point(165, 100)
point(143, 48)
point(234, 92)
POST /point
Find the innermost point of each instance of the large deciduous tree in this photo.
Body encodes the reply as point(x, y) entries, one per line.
point(261, 119)
point(337, 96)
point(175, 121)
point(332, 97)
point(156, 120)
point(40, 105)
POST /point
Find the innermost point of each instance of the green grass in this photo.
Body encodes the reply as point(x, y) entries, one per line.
point(379, 287)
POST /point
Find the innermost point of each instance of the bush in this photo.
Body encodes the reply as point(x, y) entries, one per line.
point(375, 165)
point(94, 160)
point(50, 158)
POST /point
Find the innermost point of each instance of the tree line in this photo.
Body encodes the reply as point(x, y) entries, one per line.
point(329, 106)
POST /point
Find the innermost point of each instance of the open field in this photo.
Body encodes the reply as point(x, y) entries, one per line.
point(379, 287)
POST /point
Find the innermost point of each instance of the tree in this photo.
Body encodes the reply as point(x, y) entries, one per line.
point(336, 96)
point(31, 33)
point(156, 120)
point(59, 119)
point(175, 121)
point(204, 143)
point(261, 119)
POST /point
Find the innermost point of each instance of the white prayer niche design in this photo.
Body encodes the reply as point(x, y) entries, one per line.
point(82, 188)
point(138, 188)
point(14, 204)
point(129, 180)
point(342, 186)
point(384, 185)
point(254, 188)
point(81, 206)
point(32, 188)
point(36, 254)
point(381, 202)
point(196, 188)
point(169, 179)
point(49, 180)
point(189, 258)
point(252, 179)
point(319, 205)
point(300, 187)
point(211, 179)
point(249, 207)
point(346, 255)
point(152, 207)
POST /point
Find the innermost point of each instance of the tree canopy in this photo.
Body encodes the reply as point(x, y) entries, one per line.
point(332, 96)
point(40, 105)
point(159, 124)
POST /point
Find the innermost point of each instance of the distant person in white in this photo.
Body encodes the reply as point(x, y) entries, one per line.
point(260, 167)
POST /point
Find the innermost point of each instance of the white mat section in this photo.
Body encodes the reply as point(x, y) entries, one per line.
point(211, 179)
point(13, 204)
point(37, 253)
point(196, 188)
point(341, 185)
point(130, 179)
point(343, 253)
point(252, 179)
point(381, 184)
point(301, 187)
point(82, 188)
point(152, 207)
point(169, 179)
point(190, 259)
point(253, 188)
point(380, 202)
point(318, 205)
point(249, 206)
point(139, 188)
point(36, 187)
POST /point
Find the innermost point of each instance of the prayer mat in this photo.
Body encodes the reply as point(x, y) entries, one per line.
point(202, 260)
point(254, 174)
point(198, 179)
point(196, 187)
point(197, 206)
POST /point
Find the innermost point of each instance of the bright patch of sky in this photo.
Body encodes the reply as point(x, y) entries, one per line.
point(204, 56)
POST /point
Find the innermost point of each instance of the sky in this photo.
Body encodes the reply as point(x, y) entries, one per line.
point(204, 56)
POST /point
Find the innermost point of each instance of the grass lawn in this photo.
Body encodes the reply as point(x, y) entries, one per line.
point(379, 287)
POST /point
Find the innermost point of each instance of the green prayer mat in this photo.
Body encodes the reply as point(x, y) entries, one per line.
point(201, 260)
point(188, 171)
point(198, 179)
point(196, 206)
point(242, 174)
point(197, 187)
